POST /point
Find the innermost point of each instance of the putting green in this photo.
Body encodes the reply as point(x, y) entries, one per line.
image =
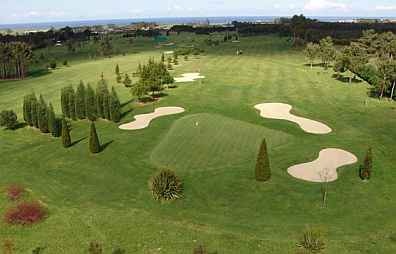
point(210, 142)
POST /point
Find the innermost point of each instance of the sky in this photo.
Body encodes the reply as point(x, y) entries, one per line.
point(26, 11)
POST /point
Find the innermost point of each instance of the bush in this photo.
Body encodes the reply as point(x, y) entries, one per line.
point(263, 170)
point(65, 63)
point(25, 213)
point(311, 241)
point(52, 65)
point(14, 192)
point(8, 119)
point(166, 186)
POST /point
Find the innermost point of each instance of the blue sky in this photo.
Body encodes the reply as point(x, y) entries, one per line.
point(22, 11)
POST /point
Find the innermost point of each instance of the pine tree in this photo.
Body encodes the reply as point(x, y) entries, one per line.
point(115, 106)
point(101, 90)
point(65, 94)
point(263, 170)
point(117, 70)
point(106, 105)
point(90, 102)
point(94, 145)
point(80, 101)
point(72, 105)
point(163, 57)
point(53, 122)
point(27, 109)
point(66, 140)
point(42, 115)
point(34, 110)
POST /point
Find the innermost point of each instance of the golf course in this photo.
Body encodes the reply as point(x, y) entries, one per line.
point(208, 130)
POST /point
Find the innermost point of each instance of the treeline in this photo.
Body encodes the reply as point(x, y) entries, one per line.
point(14, 60)
point(371, 57)
point(201, 29)
point(48, 38)
point(37, 113)
point(86, 103)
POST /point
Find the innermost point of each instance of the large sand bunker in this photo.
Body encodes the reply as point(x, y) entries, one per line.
point(189, 77)
point(282, 111)
point(324, 168)
point(143, 121)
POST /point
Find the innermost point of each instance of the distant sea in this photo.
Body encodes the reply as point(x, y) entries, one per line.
point(165, 21)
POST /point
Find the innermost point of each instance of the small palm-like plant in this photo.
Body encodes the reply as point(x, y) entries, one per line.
point(312, 241)
point(166, 185)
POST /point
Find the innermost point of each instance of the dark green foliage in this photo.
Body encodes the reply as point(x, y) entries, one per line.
point(127, 81)
point(65, 63)
point(119, 251)
point(8, 119)
point(54, 124)
point(106, 104)
point(52, 64)
point(80, 101)
point(311, 241)
point(263, 170)
point(65, 103)
point(72, 105)
point(119, 78)
point(43, 116)
point(366, 168)
point(94, 145)
point(115, 106)
point(66, 139)
point(163, 57)
point(27, 109)
point(95, 248)
point(101, 92)
point(38, 250)
point(117, 70)
point(90, 102)
point(166, 185)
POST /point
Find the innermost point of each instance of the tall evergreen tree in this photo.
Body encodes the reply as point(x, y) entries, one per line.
point(106, 104)
point(53, 122)
point(94, 145)
point(366, 169)
point(42, 115)
point(66, 140)
point(72, 105)
point(27, 109)
point(263, 170)
point(90, 102)
point(101, 90)
point(65, 95)
point(117, 70)
point(34, 109)
point(115, 106)
point(80, 101)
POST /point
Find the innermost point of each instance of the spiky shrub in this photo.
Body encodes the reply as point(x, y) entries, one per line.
point(166, 185)
point(25, 213)
point(311, 241)
point(14, 192)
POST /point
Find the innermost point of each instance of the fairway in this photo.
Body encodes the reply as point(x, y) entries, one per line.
point(213, 147)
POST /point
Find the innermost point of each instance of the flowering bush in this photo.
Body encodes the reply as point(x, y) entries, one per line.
point(25, 213)
point(14, 192)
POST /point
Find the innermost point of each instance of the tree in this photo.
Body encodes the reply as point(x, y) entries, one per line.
point(105, 47)
point(42, 115)
point(263, 170)
point(14, 59)
point(72, 105)
point(90, 103)
point(327, 51)
point(65, 103)
point(101, 92)
point(66, 140)
point(53, 122)
point(119, 78)
point(34, 107)
point(94, 145)
point(80, 101)
point(366, 169)
point(127, 81)
point(8, 119)
point(117, 70)
point(312, 52)
point(163, 57)
point(27, 110)
point(140, 89)
point(115, 106)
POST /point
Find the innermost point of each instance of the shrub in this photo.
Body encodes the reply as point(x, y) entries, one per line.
point(8, 119)
point(14, 192)
point(52, 64)
point(263, 170)
point(65, 63)
point(311, 241)
point(25, 213)
point(166, 186)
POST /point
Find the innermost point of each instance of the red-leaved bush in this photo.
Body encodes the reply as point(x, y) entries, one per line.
point(25, 213)
point(14, 192)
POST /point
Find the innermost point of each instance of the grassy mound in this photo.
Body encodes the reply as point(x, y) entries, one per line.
point(209, 142)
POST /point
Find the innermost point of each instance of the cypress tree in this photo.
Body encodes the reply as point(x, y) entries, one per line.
point(72, 105)
point(80, 101)
point(163, 57)
point(27, 109)
point(90, 102)
point(100, 91)
point(34, 110)
point(65, 100)
point(66, 140)
point(94, 145)
point(42, 115)
point(106, 104)
point(263, 170)
point(115, 106)
point(117, 70)
point(53, 123)
point(365, 170)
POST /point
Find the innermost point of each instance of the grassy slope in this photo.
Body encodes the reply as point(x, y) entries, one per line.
point(105, 197)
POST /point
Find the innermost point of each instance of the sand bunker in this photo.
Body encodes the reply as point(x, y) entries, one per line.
point(324, 168)
point(143, 121)
point(189, 77)
point(168, 52)
point(282, 111)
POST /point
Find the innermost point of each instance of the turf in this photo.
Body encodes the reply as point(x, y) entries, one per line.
point(105, 197)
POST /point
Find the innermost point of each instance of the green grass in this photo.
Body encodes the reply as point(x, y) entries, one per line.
point(105, 197)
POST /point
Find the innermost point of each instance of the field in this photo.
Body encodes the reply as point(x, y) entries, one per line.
point(105, 197)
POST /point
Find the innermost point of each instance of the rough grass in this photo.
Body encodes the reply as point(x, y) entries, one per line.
point(105, 197)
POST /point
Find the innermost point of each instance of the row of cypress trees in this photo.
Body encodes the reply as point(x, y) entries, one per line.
point(85, 102)
point(37, 113)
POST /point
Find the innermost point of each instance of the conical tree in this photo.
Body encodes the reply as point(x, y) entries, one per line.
point(263, 170)
point(163, 57)
point(27, 109)
point(80, 101)
point(72, 105)
point(53, 123)
point(42, 115)
point(94, 145)
point(106, 104)
point(117, 70)
point(66, 140)
point(101, 90)
point(115, 106)
point(90, 102)
point(65, 95)
point(365, 171)
point(34, 110)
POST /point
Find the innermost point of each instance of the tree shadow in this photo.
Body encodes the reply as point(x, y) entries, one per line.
point(78, 141)
point(105, 145)
point(125, 113)
point(159, 95)
point(39, 72)
point(346, 79)
point(126, 103)
point(20, 125)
